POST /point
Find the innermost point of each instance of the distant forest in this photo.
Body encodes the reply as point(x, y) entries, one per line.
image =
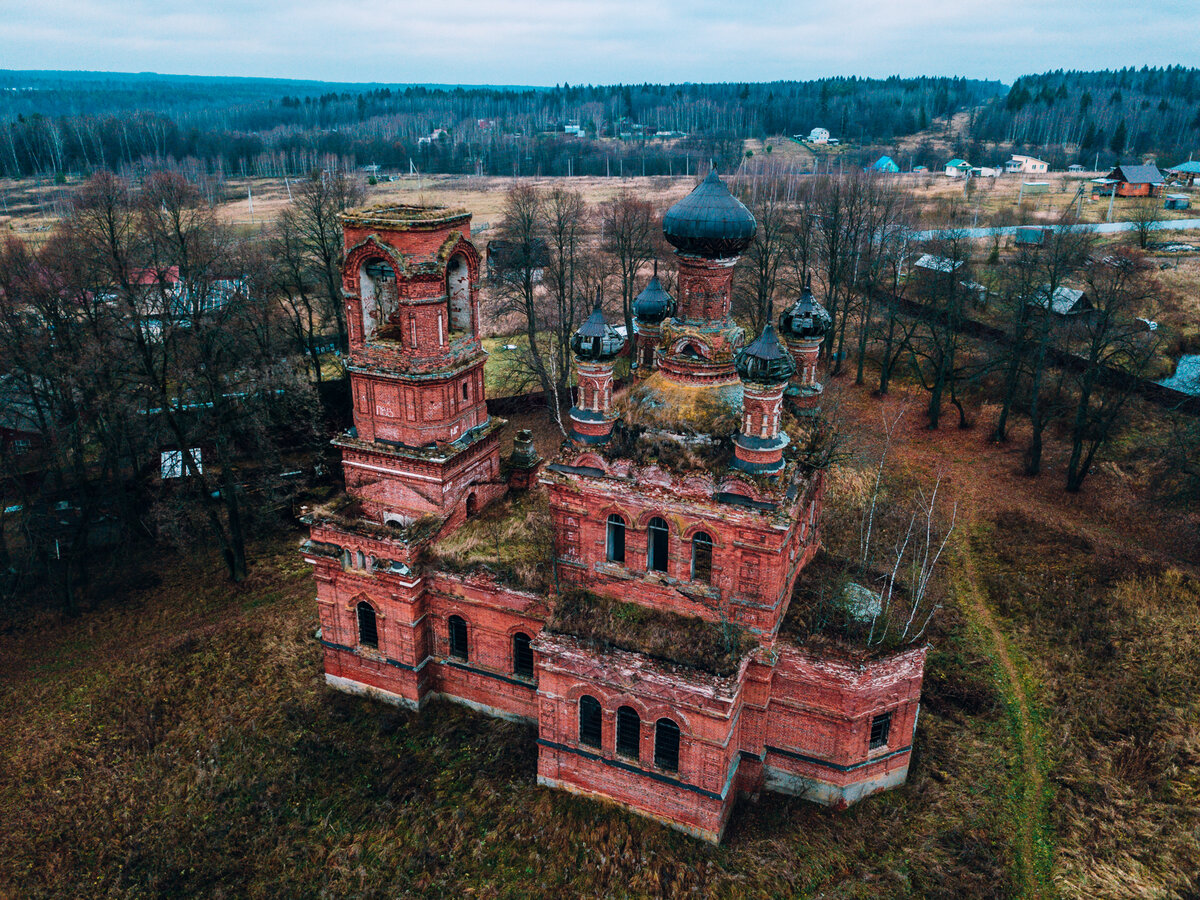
point(55, 123)
point(59, 123)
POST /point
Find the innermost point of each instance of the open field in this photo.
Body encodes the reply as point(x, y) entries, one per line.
point(182, 742)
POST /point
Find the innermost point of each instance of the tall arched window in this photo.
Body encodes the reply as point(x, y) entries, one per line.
point(362, 560)
point(666, 744)
point(616, 539)
point(656, 545)
point(368, 630)
point(629, 732)
point(702, 557)
point(522, 655)
point(458, 637)
point(589, 721)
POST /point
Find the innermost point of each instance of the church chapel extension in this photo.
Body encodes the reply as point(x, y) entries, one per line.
point(629, 596)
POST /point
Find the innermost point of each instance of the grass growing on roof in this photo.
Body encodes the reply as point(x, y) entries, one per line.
point(511, 539)
point(671, 637)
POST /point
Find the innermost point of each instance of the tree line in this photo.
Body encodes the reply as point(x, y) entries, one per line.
point(248, 128)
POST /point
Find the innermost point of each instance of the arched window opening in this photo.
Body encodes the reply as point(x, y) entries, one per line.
point(347, 559)
point(466, 391)
point(629, 732)
point(368, 629)
point(656, 545)
point(472, 504)
point(690, 351)
point(362, 560)
point(522, 655)
point(589, 721)
point(458, 637)
point(702, 557)
point(377, 287)
point(616, 539)
point(458, 293)
point(666, 745)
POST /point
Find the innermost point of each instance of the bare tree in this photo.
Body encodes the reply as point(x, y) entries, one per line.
point(312, 220)
point(628, 226)
point(1115, 351)
point(1145, 216)
point(565, 215)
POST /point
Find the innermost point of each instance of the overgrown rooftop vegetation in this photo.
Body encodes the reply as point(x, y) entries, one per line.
point(512, 540)
point(671, 637)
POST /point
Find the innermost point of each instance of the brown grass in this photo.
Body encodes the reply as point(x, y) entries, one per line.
point(671, 637)
point(512, 539)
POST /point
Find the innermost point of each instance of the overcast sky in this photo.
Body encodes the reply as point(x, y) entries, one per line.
point(547, 42)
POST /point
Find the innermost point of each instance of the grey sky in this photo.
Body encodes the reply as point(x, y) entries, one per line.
point(551, 41)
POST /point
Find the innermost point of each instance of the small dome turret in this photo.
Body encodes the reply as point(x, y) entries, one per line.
point(765, 361)
point(653, 304)
point(710, 221)
point(596, 340)
point(807, 319)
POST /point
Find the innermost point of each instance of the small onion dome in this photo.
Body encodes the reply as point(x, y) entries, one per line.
point(710, 221)
point(807, 319)
point(765, 361)
point(653, 304)
point(596, 340)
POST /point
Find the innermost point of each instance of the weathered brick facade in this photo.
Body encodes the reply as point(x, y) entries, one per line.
point(709, 540)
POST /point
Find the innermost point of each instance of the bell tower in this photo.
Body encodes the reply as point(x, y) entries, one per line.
point(422, 441)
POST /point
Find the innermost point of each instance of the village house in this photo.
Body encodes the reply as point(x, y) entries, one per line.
point(1026, 165)
point(682, 501)
point(884, 164)
point(958, 168)
point(1185, 173)
point(1135, 181)
point(818, 136)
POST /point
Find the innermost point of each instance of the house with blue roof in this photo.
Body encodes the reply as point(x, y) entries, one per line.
point(1185, 172)
point(884, 164)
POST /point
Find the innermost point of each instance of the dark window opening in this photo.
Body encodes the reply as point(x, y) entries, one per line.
point(458, 637)
point(656, 545)
point(472, 504)
point(702, 551)
point(368, 629)
point(629, 732)
point(690, 351)
point(666, 745)
point(466, 396)
point(880, 727)
point(589, 721)
point(616, 539)
point(522, 655)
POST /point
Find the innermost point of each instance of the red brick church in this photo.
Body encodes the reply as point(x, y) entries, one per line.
point(682, 504)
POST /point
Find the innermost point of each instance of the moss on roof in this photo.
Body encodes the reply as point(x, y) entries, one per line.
point(665, 404)
point(398, 215)
point(671, 637)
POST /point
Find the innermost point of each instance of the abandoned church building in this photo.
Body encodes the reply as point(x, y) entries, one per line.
point(681, 504)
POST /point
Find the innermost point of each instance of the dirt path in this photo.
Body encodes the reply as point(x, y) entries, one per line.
point(1032, 842)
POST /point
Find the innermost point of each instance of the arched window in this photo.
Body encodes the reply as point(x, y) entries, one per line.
point(589, 721)
point(666, 744)
point(629, 732)
point(472, 504)
point(362, 560)
point(656, 545)
point(458, 637)
point(616, 539)
point(702, 557)
point(458, 293)
point(522, 655)
point(368, 630)
point(466, 392)
point(347, 559)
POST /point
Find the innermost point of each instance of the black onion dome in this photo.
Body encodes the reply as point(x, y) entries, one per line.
point(806, 319)
point(653, 304)
point(765, 361)
point(710, 221)
point(596, 340)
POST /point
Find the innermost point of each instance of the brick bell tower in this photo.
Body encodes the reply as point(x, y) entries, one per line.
point(422, 442)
